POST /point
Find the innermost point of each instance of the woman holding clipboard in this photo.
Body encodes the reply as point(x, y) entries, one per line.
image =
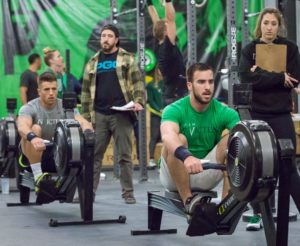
point(271, 64)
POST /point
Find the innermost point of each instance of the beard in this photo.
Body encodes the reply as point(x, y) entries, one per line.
point(107, 48)
point(200, 99)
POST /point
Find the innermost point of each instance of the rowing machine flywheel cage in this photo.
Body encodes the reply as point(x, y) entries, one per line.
point(9, 137)
point(252, 161)
point(68, 147)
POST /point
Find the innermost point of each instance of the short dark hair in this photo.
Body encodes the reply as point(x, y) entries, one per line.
point(47, 77)
point(32, 58)
point(112, 28)
point(196, 67)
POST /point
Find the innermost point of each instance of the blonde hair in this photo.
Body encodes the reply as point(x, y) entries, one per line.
point(48, 55)
point(278, 15)
point(157, 76)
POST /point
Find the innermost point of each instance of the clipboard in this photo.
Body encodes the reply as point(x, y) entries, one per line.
point(271, 57)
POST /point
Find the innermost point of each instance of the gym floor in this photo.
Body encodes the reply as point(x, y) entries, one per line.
point(29, 225)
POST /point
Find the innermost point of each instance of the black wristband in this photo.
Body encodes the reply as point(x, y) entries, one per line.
point(149, 2)
point(182, 153)
point(30, 136)
point(168, 1)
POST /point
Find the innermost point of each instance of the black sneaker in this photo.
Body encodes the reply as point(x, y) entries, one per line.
point(45, 188)
point(129, 197)
point(42, 178)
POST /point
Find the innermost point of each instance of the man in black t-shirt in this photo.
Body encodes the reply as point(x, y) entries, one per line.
point(28, 81)
point(170, 60)
point(107, 80)
point(112, 78)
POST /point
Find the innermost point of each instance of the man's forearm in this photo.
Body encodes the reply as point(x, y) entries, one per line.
point(170, 11)
point(85, 113)
point(23, 128)
point(86, 98)
point(138, 85)
point(152, 12)
point(83, 122)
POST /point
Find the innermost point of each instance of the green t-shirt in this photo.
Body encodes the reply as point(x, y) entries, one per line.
point(203, 130)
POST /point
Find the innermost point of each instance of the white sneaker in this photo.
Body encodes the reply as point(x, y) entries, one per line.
point(102, 176)
point(255, 223)
point(152, 163)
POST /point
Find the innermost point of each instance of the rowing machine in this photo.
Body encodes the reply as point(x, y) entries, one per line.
point(252, 168)
point(9, 139)
point(70, 156)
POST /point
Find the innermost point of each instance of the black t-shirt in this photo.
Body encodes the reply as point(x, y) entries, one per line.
point(108, 89)
point(29, 80)
point(171, 65)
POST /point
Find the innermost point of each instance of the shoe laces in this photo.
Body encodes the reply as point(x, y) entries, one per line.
point(41, 177)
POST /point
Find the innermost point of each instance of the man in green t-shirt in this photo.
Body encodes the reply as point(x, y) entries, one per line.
point(193, 130)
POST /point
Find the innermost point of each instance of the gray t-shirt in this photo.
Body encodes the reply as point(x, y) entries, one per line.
point(47, 119)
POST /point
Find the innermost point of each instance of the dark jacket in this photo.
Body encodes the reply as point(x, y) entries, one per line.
point(269, 94)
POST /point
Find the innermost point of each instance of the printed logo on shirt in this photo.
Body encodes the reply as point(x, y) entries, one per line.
point(106, 66)
point(47, 121)
point(195, 130)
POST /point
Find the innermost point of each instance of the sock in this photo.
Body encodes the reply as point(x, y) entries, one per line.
point(36, 170)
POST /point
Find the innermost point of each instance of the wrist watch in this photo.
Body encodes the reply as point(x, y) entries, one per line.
point(30, 136)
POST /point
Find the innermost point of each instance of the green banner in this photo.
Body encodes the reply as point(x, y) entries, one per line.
point(28, 26)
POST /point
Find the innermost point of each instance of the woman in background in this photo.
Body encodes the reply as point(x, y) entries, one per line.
point(154, 99)
point(271, 99)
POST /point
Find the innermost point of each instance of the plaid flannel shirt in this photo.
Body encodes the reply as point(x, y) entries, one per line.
point(129, 77)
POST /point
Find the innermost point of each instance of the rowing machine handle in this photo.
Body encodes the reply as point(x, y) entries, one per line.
point(48, 143)
point(209, 165)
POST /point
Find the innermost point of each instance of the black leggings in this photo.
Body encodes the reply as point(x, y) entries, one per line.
point(283, 128)
point(154, 133)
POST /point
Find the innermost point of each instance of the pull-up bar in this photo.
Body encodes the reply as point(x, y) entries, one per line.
point(114, 11)
point(200, 5)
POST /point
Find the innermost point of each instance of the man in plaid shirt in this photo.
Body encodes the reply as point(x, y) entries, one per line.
point(112, 78)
